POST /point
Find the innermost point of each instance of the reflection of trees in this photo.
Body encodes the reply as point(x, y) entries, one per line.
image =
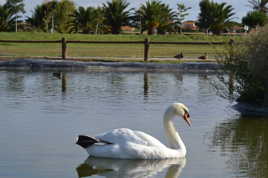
point(117, 83)
point(130, 168)
point(15, 82)
point(244, 141)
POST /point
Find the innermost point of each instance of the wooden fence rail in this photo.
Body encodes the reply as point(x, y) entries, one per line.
point(146, 44)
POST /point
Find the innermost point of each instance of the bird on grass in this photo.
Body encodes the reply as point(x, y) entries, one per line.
point(179, 55)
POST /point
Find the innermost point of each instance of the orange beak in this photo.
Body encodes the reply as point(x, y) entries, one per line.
point(186, 117)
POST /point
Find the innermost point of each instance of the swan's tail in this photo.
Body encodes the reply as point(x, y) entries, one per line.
point(86, 141)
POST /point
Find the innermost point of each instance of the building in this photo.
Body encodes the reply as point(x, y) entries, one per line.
point(189, 25)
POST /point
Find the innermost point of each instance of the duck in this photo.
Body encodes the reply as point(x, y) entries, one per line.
point(205, 56)
point(125, 143)
point(57, 75)
point(179, 56)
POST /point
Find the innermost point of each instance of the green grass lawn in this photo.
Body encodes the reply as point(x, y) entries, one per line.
point(108, 50)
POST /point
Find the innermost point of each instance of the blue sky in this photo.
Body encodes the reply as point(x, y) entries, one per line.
point(241, 6)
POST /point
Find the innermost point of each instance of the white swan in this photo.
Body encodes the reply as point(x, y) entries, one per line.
point(130, 144)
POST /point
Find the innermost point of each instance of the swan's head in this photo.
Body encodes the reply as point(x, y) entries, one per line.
point(179, 109)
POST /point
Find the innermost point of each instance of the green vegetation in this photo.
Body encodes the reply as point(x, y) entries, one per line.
point(9, 14)
point(254, 19)
point(181, 14)
point(111, 50)
point(259, 5)
point(52, 15)
point(215, 17)
point(152, 17)
point(247, 63)
point(155, 17)
point(257, 17)
point(116, 15)
point(86, 20)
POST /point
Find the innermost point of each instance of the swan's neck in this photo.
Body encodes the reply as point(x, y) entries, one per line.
point(172, 135)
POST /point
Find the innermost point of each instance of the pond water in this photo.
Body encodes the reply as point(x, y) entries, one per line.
point(39, 123)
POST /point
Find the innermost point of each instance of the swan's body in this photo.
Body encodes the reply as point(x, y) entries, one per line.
point(130, 144)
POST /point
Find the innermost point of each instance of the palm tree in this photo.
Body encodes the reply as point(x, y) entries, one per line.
point(116, 15)
point(259, 5)
point(155, 16)
point(14, 8)
point(167, 20)
point(52, 15)
point(254, 19)
point(43, 16)
point(99, 20)
point(6, 19)
point(215, 16)
point(223, 17)
point(85, 20)
point(36, 20)
point(62, 15)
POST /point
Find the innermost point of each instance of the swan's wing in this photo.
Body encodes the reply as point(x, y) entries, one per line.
point(150, 140)
point(124, 136)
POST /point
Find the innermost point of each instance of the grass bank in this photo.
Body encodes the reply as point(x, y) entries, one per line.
point(107, 51)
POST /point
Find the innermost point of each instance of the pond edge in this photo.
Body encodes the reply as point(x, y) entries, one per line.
point(44, 64)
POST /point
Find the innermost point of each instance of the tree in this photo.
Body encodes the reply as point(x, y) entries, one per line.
point(86, 20)
point(43, 16)
point(259, 5)
point(63, 12)
point(215, 16)
point(116, 15)
point(6, 19)
point(167, 20)
point(206, 18)
point(254, 19)
point(99, 21)
point(155, 16)
point(52, 15)
point(14, 8)
point(181, 14)
point(36, 20)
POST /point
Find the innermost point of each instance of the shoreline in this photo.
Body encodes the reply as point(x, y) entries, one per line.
point(71, 65)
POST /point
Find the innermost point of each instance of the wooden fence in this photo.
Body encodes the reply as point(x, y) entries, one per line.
point(146, 43)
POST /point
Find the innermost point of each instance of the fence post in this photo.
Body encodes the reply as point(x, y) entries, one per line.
point(63, 48)
point(146, 49)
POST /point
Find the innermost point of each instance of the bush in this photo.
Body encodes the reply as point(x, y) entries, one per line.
point(247, 63)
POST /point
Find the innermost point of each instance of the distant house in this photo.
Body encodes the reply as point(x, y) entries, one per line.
point(236, 29)
point(189, 25)
point(128, 29)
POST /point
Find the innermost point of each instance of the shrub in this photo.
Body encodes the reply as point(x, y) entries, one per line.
point(247, 63)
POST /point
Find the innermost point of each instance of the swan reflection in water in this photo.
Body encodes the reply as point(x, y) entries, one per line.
point(130, 168)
